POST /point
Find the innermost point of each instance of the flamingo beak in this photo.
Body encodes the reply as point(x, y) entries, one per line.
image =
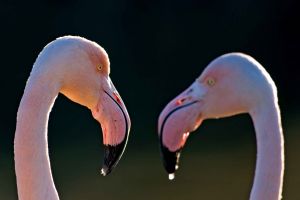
point(176, 121)
point(113, 117)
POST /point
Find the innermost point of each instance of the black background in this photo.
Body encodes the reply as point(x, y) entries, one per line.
point(156, 49)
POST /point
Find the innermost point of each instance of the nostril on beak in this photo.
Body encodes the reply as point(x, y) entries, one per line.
point(117, 97)
point(180, 101)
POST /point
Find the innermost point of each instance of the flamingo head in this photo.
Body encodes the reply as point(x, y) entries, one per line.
point(228, 86)
point(88, 83)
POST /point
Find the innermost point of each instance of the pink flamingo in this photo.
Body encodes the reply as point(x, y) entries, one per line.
point(231, 84)
point(79, 69)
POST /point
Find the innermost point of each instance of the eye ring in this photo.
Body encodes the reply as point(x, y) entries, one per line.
point(99, 67)
point(210, 81)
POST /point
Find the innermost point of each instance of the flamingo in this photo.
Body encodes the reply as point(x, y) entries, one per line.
point(79, 69)
point(231, 84)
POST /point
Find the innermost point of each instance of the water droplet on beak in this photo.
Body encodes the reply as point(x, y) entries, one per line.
point(103, 172)
point(171, 176)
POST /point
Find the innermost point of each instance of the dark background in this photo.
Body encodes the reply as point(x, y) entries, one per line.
point(156, 49)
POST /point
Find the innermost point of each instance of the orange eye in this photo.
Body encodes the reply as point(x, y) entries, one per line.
point(99, 67)
point(211, 81)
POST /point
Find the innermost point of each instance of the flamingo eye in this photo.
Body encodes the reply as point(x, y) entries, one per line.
point(99, 67)
point(210, 81)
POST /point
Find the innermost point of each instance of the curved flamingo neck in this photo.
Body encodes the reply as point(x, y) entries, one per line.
point(270, 153)
point(32, 165)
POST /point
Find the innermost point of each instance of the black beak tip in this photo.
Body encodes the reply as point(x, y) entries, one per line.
point(112, 155)
point(105, 170)
point(170, 161)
